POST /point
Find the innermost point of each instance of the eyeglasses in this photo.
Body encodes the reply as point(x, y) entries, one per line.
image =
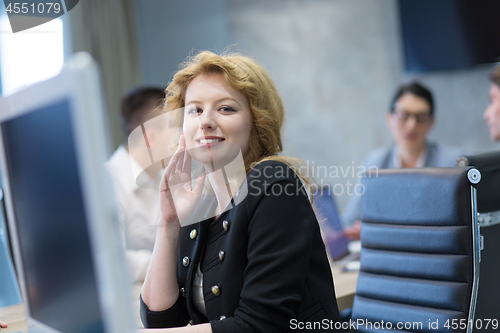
point(421, 117)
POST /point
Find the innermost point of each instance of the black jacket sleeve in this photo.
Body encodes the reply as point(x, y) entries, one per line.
point(176, 316)
point(280, 237)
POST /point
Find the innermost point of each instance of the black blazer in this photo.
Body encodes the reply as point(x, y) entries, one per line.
point(265, 267)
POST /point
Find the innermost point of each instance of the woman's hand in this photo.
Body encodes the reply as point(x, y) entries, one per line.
point(177, 201)
point(177, 197)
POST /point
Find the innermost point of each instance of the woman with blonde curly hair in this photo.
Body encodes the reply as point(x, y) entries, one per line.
point(251, 259)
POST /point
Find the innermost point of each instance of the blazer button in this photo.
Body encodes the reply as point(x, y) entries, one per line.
point(221, 255)
point(193, 234)
point(216, 290)
point(185, 261)
point(225, 225)
point(183, 292)
point(222, 317)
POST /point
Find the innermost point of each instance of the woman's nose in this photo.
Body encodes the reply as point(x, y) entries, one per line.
point(207, 121)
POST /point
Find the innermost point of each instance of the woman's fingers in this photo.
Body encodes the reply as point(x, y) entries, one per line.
point(177, 155)
point(182, 141)
point(169, 170)
point(187, 162)
point(2, 324)
point(198, 188)
point(172, 164)
point(164, 181)
point(179, 161)
point(182, 152)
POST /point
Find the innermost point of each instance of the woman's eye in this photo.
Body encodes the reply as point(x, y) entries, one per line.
point(195, 111)
point(227, 109)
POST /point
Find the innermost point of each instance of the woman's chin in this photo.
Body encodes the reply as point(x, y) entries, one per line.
point(218, 156)
point(202, 158)
point(212, 160)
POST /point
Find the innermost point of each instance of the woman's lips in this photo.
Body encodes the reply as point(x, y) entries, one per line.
point(209, 142)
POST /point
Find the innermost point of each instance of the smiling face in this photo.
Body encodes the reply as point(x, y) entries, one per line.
point(492, 113)
point(410, 122)
point(217, 119)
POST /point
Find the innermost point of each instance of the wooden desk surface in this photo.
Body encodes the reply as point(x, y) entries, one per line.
point(15, 315)
point(345, 285)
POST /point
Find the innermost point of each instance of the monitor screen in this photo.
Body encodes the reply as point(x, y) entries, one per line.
point(9, 290)
point(52, 229)
point(449, 34)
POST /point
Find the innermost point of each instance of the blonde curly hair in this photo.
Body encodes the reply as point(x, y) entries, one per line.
point(266, 106)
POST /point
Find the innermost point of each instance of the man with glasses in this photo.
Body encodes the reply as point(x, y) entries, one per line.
point(410, 119)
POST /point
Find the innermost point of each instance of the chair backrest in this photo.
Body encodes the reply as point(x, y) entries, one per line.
point(420, 250)
point(488, 205)
point(488, 190)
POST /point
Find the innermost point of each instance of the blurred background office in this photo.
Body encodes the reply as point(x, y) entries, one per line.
point(335, 62)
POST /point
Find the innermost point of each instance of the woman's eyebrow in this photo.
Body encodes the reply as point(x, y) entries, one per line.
point(227, 98)
point(217, 101)
point(191, 102)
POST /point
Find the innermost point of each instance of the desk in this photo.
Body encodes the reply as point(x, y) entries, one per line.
point(15, 315)
point(345, 285)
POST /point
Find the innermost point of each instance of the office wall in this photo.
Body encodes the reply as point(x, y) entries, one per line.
point(336, 64)
point(170, 30)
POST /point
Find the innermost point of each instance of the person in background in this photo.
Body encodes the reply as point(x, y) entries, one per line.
point(138, 206)
point(492, 113)
point(410, 118)
point(2, 325)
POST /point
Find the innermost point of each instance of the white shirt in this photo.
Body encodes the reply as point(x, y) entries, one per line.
point(138, 210)
point(198, 299)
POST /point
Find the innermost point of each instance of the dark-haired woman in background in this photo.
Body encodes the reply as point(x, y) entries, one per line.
point(410, 119)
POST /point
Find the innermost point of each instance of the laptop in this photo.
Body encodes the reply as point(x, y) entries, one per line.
point(336, 243)
point(59, 204)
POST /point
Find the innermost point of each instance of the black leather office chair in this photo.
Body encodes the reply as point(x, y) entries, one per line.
point(420, 251)
point(488, 207)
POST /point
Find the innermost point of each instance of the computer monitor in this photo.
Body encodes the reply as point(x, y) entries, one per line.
point(59, 203)
point(9, 289)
